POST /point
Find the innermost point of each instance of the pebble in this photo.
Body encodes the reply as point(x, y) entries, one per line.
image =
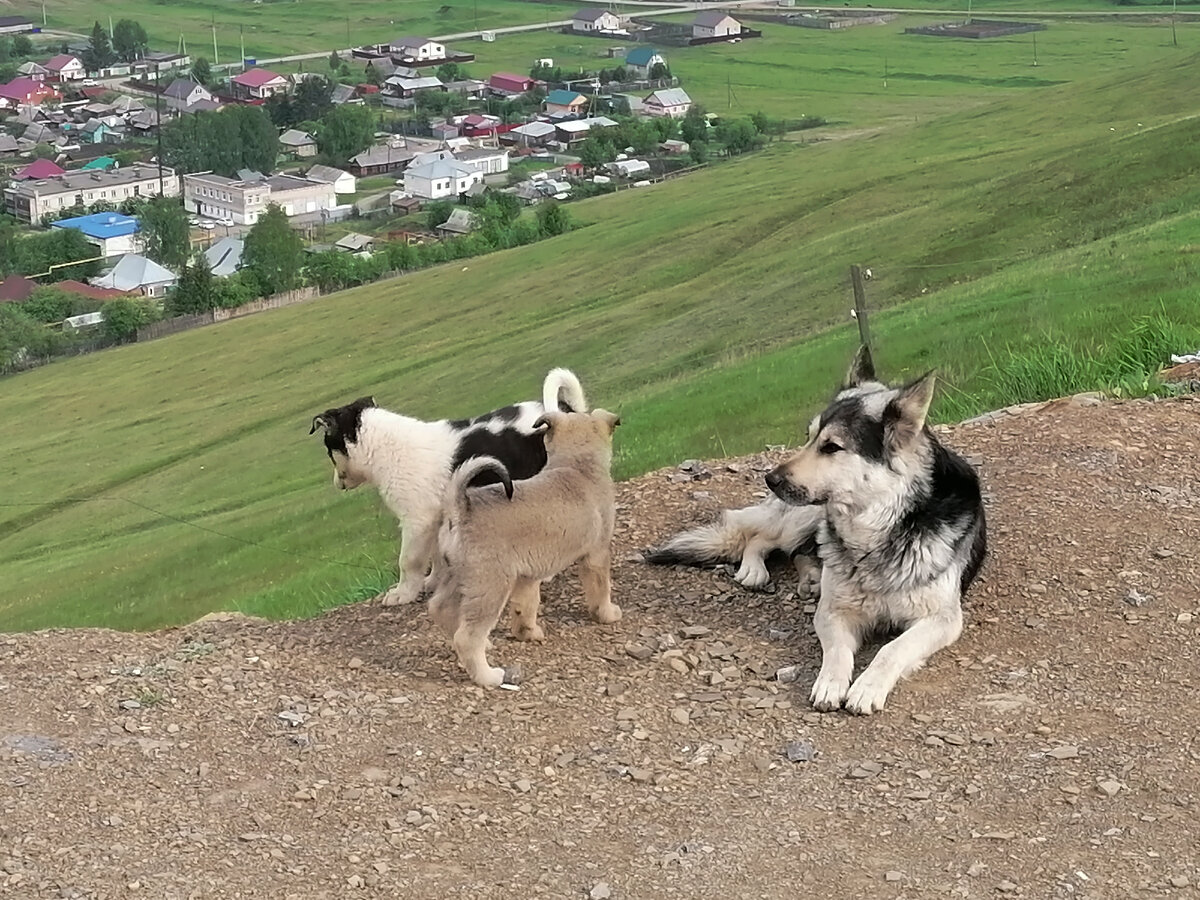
point(639, 651)
point(694, 631)
point(893, 875)
point(601, 891)
point(1006, 886)
point(788, 674)
point(799, 751)
point(1184, 618)
point(1065, 751)
point(1180, 881)
point(681, 715)
point(866, 770)
point(1109, 788)
point(355, 663)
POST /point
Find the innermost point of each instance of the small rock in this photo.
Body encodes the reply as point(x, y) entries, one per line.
point(893, 875)
point(601, 891)
point(639, 652)
point(788, 674)
point(799, 751)
point(680, 715)
point(1136, 598)
point(1064, 751)
point(130, 704)
point(1109, 788)
point(1163, 553)
point(355, 663)
point(523, 785)
point(1006, 886)
point(701, 495)
point(976, 869)
point(1184, 618)
point(693, 631)
point(355, 881)
point(1180, 881)
point(640, 775)
point(866, 770)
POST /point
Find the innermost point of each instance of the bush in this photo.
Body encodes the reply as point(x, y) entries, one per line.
point(124, 316)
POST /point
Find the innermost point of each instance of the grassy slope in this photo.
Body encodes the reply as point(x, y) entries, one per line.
point(683, 306)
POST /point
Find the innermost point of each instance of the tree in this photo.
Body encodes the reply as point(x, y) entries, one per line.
point(659, 71)
point(22, 46)
point(164, 230)
point(694, 127)
point(313, 98)
point(195, 291)
point(373, 76)
point(698, 152)
point(595, 151)
point(237, 137)
point(123, 317)
point(202, 71)
point(437, 212)
point(129, 40)
point(273, 252)
point(99, 53)
point(335, 62)
point(553, 219)
point(738, 136)
point(49, 304)
point(345, 131)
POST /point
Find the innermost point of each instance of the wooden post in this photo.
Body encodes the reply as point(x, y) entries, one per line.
point(860, 305)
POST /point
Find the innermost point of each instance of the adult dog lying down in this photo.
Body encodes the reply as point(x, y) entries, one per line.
point(410, 461)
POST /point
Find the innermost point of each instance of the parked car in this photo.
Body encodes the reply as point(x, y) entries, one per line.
point(89, 82)
point(208, 226)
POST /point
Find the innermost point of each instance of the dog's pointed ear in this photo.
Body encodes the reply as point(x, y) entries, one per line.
point(612, 420)
point(862, 367)
point(325, 422)
point(364, 402)
point(905, 415)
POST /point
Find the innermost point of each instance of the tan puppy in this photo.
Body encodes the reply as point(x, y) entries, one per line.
point(498, 543)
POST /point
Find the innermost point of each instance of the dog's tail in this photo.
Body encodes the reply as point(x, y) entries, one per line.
point(562, 391)
point(722, 541)
point(456, 493)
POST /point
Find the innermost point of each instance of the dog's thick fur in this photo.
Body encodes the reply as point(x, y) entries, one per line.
point(902, 539)
point(499, 542)
point(410, 461)
point(746, 537)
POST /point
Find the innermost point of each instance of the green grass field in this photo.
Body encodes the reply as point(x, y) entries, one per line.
point(793, 71)
point(150, 484)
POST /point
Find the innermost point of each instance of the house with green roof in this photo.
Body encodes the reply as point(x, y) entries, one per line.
point(643, 59)
point(100, 163)
point(565, 102)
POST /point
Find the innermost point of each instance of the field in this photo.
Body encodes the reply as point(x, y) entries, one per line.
point(840, 76)
point(153, 483)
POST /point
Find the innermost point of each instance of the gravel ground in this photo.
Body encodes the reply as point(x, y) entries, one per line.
point(1051, 752)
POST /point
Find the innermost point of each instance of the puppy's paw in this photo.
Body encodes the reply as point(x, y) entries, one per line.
point(828, 692)
point(607, 614)
point(401, 594)
point(867, 695)
point(489, 676)
point(522, 632)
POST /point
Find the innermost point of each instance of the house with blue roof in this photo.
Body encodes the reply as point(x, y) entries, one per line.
point(565, 102)
point(113, 233)
point(643, 59)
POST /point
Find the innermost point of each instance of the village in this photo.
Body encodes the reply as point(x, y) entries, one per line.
point(402, 144)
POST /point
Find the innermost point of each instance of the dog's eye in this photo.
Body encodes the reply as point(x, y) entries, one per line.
point(829, 447)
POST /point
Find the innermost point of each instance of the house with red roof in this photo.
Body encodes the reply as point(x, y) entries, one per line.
point(258, 84)
point(38, 170)
point(507, 85)
point(16, 289)
point(26, 92)
point(89, 290)
point(65, 67)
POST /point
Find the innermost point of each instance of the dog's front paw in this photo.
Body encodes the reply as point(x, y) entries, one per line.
point(829, 692)
point(528, 633)
point(867, 695)
point(400, 594)
point(753, 574)
point(607, 614)
point(489, 676)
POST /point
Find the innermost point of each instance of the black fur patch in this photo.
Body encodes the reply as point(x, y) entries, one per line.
point(864, 433)
point(524, 455)
point(504, 414)
point(342, 424)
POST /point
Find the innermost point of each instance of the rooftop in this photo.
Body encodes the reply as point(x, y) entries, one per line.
point(294, 138)
point(564, 98)
point(325, 174)
point(711, 18)
point(641, 56)
point(101, 225)
point(132, 272)
point(73, 181)
point(671, 97)
point(256, 78)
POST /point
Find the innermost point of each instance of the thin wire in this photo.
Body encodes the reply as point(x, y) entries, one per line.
point(190, 524)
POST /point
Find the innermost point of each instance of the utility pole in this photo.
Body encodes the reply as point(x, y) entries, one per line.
point(1174, 7)
point(214, 31)
point(1035, 48)
point(885, 71)
point(111, 34)
point(860, 306)
point(968, 12)
point(43, 13)
point(242, 33)
point(158, 124)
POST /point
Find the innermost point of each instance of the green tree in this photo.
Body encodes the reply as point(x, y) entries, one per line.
point(698, 152)
point(21, 337)
point(164, 231)
point(737, 136)
point(49, 251)
point(99, 53)
point(452, 72)
point(224, 141)
point(312, 99)
point(45, 151)
point(124, 316)
point(345, 131)
point(552, 219)
point(335, 62)
point(595, 151)
point(22, 46)
point(273, 252)
point(694, 127)
point(202, 71)
point(195, 291)
point(49, 304)
point(437, 212)
point(129, 40)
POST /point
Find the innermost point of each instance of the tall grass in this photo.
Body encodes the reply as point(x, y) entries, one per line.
point(1128, 367)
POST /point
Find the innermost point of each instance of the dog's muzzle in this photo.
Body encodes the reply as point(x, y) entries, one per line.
point(788, 492)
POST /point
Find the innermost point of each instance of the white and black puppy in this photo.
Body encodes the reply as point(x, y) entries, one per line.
point(902, 538)
point(410, 461)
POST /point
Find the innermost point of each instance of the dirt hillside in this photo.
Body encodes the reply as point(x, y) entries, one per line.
point(1052, 752)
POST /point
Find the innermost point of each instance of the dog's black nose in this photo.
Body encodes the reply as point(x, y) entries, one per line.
point(774, 480)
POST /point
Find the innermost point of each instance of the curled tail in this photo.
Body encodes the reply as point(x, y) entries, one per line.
point(562, 391)
point(456, 492)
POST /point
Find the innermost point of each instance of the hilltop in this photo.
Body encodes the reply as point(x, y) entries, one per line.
point(1048, 753)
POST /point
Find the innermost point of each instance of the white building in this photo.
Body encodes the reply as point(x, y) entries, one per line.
point(441, 179)
point(136, 273)
point(242, 201)
point(714, 24)
point(595, 20)
point(29, 200)
point(417, 48)
point(672, 103)
point(485, 160)
point(343, 182)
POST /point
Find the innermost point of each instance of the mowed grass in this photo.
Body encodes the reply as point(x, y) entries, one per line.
point(285, 27)
point(865, 76)
point(149, 484)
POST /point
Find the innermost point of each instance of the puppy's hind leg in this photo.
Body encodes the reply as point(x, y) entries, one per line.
point(902, 656)
point(526, 598)
point(753, 571)
point(416, 551)
point(480, 610)
point(596, 575)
